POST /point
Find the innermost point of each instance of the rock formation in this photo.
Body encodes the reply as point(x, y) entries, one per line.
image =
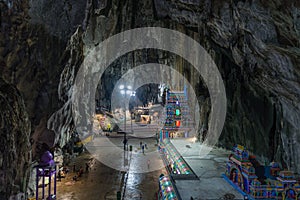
point(15, 157)
point(256, 47)
point(254, 43)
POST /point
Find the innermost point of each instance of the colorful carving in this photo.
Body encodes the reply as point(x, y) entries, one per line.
point(260, 182)
point(167, 191)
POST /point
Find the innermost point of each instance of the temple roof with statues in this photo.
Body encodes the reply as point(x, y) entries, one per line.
point(286, 177)
point(240, 155)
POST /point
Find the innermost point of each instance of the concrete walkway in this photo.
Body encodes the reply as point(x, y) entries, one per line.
point(102, 182)
point(136, 178)
point(209, 170)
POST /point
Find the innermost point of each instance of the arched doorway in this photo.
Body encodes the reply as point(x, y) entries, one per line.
point(233, 175)
point(236, 177)
point(290, 194)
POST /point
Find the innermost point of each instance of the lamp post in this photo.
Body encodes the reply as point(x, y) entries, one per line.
point(132, 95)
point(125, 91)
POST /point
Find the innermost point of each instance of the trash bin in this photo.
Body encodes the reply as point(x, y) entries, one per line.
point(130, 148)
point(118, 195)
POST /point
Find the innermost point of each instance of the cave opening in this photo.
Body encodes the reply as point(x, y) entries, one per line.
point(255, 45)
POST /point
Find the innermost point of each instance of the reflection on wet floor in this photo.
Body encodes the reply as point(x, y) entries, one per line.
point(103, 182)
point(139, 184)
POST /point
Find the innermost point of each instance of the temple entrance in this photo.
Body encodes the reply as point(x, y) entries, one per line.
point(236, 177)
point(290, 194)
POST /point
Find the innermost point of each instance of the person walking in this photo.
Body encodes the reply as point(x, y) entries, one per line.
point(87, 167)
point(125, 143)
point(148, 162)
point(80, 172)
point(143, 149)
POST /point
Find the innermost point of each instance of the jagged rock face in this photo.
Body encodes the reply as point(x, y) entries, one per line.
point(15, 157)
point(256, 47)
point(27, 62)
point(61, 122)
point(60, 18)
point(254, 43)
point(31, 56)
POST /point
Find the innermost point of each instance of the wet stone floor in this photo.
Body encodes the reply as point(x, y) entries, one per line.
point(103, 182)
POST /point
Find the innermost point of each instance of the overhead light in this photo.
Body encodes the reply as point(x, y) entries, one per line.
point(121, 87)
point(129, 87)
point(122, 91)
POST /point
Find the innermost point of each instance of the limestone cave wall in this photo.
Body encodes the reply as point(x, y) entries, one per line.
point(15, 129)
point(254, 43)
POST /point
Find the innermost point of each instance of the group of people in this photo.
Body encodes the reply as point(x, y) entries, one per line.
point(80, 171)
point(62, 173)
point(143, 146)
point(79, 174)
point(65, 170)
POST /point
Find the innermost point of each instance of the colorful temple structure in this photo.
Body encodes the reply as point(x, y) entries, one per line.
point(174, 162)
point(257, 181)
point(178, 121)
point(166, 189)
